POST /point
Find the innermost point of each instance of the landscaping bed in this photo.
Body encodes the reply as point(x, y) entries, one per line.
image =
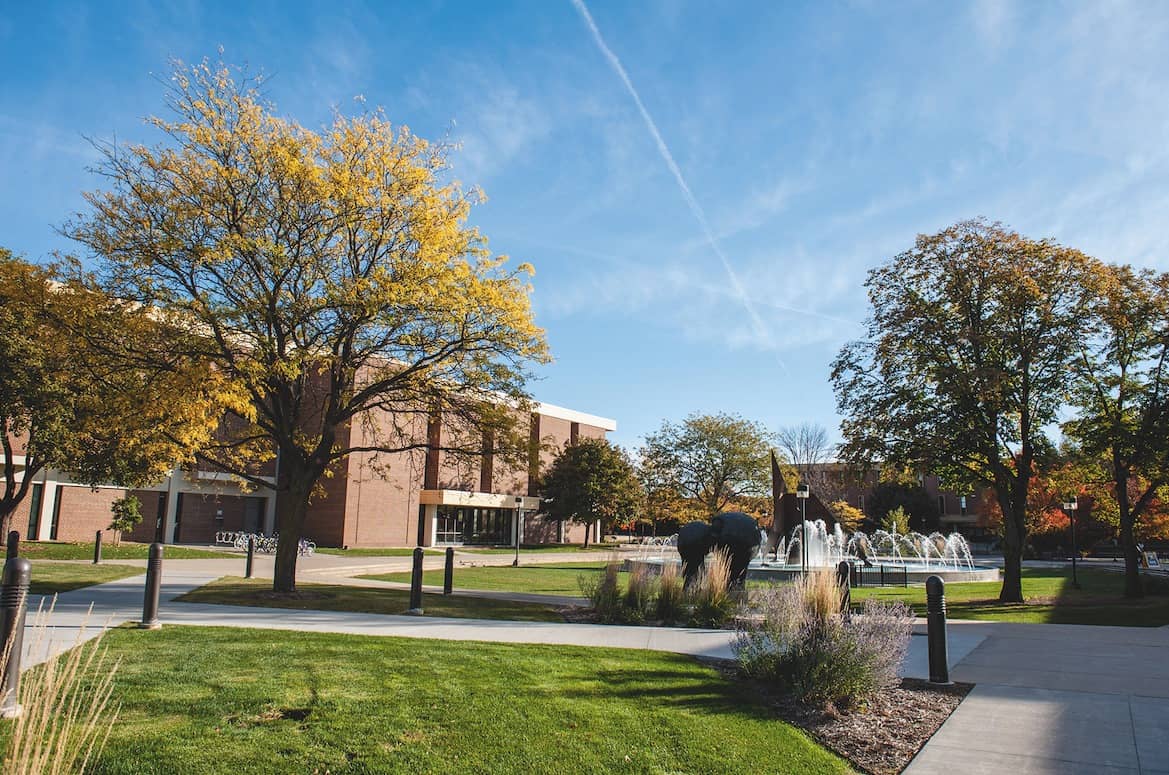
point(882, 736)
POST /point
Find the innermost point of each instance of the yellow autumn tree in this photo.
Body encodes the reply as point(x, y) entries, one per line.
point(85, 389)
point(330, 274)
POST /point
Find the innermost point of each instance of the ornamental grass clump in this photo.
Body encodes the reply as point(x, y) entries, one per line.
point(66, 709)
point(671, 603)
point(604, 593)
point(800, 642)
point(639, 594)
point(710, 594)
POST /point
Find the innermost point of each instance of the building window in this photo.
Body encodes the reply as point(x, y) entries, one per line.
point(56, 522)
point(941, 505)
point(161, 520)
point(178, 516)
point(34, 511)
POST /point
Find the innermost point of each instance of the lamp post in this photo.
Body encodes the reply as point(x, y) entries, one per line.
point(802, 493)
point(1070, 507)
point(519, 522)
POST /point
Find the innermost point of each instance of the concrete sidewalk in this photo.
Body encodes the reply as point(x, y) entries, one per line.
point(1057, 699)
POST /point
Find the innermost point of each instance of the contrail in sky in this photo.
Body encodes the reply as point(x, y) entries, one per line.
point(695, 208)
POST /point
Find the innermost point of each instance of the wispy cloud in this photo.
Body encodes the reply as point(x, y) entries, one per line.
point(761, 331)
point(994, 21)
point(499, 124)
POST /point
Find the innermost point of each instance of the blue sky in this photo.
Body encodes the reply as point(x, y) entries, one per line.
point(814, 142)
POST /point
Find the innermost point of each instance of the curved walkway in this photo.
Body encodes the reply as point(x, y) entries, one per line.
point(119, 601)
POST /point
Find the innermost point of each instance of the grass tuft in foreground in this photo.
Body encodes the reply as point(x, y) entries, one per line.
point(250, 702)
point(66, 711)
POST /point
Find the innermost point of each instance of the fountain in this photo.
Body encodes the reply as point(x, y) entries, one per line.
point(917, 555)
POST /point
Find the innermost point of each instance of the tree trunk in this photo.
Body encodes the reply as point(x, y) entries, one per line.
point(1014, 541)
point(1132, 568)
point(291, 506)
point(1132, 563)
point(588, 527)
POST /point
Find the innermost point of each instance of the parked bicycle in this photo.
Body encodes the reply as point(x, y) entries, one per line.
point(265, 544)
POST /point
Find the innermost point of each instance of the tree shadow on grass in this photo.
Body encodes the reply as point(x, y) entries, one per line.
point(710, 693)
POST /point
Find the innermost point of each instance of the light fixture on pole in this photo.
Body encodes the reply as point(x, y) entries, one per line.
point(802, 493)
point(1070, 507)
point(519, 523)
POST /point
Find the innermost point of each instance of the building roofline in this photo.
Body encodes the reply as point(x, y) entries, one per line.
point(559, 412)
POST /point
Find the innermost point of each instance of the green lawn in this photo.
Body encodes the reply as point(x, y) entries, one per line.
point(49, 578)
point(539, 548)
point(1050, 600)
point(558, 579)
point(386, 551)
point(255, 702)
point(55, 550)
point(232, 590)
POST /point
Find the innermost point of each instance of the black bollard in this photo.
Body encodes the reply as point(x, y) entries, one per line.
point(416, 583)
point(843, 571)
point(13, 599)
point(153, 586)
point(13, 544)
point(97, 548)
point(251, 557)
point(448, 576)
point(935, 607)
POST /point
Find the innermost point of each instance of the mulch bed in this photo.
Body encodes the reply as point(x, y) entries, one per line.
point(883, 737)
point(880, 738)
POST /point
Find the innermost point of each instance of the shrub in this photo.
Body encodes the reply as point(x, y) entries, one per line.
point(710, 593)
point(603, 592)
point(803, 644)
point(639, 593)
point(670, 604)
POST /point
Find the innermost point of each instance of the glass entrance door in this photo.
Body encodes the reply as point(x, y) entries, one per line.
point(472, 525)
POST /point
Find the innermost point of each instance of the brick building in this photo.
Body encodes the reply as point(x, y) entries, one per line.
point(406, 499)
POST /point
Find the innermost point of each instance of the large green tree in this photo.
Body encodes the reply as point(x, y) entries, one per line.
point(332, 277)
point(1121, 393)
point(70, 399)
point(711, 459)
point(965, 363)
point(591, 480)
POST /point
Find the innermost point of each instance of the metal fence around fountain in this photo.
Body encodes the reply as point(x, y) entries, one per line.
point(879, 575)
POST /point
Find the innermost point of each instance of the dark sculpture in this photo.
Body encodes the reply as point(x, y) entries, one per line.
point(733, 531)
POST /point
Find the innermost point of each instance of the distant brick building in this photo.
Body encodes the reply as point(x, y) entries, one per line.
point(406, 499)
